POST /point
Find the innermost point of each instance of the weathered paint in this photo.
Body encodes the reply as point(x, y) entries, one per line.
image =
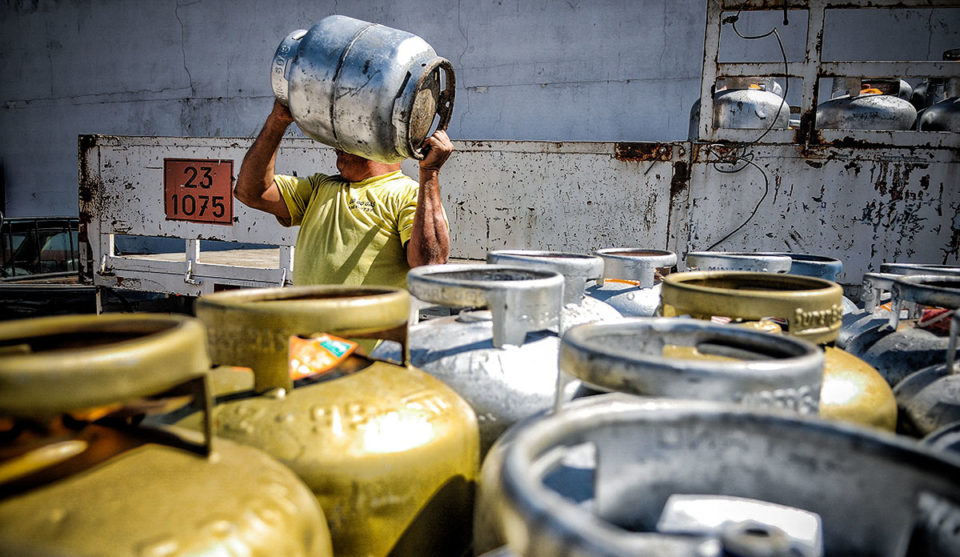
point(861, 205)
point(557, 196)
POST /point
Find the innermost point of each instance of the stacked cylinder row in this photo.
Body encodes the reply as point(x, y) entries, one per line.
point(617, 406)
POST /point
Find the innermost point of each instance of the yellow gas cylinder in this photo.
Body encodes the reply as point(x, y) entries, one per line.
point(811, 308)
point(390, 452)
point(77, 477)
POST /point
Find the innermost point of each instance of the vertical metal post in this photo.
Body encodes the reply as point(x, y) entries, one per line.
point(286, 263)
point(192, 257)
point(708, 79)
point(811, 79)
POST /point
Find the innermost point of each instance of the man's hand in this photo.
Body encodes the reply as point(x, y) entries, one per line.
point(280, 114)
point(437, 148)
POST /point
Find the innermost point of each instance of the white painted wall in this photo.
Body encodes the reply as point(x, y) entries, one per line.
point(555, 70)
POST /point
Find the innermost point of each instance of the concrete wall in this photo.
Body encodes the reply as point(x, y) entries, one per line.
point(555, 70)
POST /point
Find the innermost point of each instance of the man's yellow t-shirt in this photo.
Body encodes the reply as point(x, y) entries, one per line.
point(350, 232)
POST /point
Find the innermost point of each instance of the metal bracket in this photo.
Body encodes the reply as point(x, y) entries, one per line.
point(188, 276)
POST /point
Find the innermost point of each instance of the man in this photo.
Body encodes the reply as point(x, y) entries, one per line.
point(368, 225)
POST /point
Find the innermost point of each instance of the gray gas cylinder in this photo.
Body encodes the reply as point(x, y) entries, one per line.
point(630, 281)
point(738, 261)
point(669, 358)
point(947, 438)
point(685, 478)
point(692, 359)
point(500, 352)
point(864, 326)
point(945, 114)
point(929, 399)
point(819, 266)
point(856, 104)
point(860, 327)
point(577, 270)
point(897, 351)
point(746, 103)
point(363, 88)
point(866, 112)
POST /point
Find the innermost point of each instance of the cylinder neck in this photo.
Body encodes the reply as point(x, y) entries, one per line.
point(738, 261)
point(253, 327)
point(686, 358)
point(520, 300)
point(811, 307)
point(635, 264)
point(931, 290)
point(576, 269)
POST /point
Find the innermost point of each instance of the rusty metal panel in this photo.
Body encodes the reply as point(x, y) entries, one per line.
point(863, 206)
point(559, 196)
point(127, 182)
point(503, 194)
point(121, 193)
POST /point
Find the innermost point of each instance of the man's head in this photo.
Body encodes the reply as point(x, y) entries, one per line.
point(354, 168)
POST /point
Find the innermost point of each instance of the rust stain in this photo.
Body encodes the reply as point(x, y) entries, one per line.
point(807, 129)
point(637, 152)
point(881, 183)
point(680, 180)
point(952, 252)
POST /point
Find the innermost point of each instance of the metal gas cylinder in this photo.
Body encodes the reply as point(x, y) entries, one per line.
point(811, 309)
point(674, 358)
point(899, 347)
point(745, 103)
point(860, 106)
point(818, 266)
point(363, 88)
point(631, 279)
point(945, 114)
point(863, 327)
point(947, 438)
point(501, 359)
point(576, 269)
point(929, 399)
point(631, 476)
point(691, 359)
point(390, 452)
point(738, 261)
point(77, 477)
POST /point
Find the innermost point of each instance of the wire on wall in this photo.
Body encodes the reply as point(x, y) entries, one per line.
point(733, 159)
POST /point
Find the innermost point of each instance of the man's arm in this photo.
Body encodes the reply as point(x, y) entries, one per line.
point(255, 187)
point(429, 238)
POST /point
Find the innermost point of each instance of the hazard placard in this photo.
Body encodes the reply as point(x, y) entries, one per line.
point(198, 190)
